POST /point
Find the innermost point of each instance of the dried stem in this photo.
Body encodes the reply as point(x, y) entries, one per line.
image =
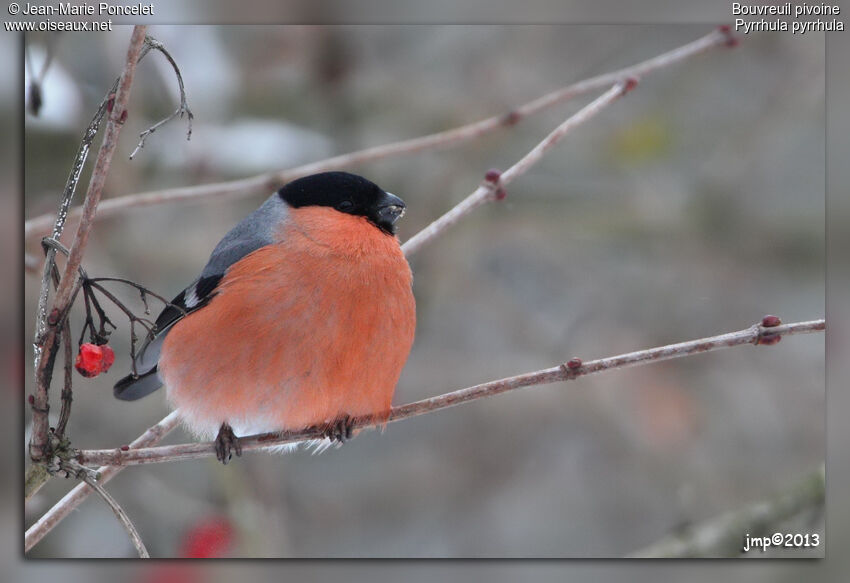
point(83, 473)
point(67, 395)
point(182, 108)
point(492, 188)
point(265, 183)
point(143, 291)
point(48, 327)
point(80, 492)
point(723, 536)
point(753, 335)
point(49, 266)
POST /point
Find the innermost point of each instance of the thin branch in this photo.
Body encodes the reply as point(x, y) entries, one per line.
point(182, 108)
point(143, 291)
point(80, 492)
point(83, 473)
point(265, 183)
point(755, 334)
point(40, 428)
point(67, 394)
point(724, 536)
point(492, 188)
point(61, 217)
point(47, 342)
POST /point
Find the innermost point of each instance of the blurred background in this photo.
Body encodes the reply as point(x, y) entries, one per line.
point(690, 208)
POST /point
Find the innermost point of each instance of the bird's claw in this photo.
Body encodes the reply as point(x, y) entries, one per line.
point(340, 430)
point(226, 443)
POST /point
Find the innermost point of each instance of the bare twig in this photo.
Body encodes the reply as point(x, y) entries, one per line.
point(48, 327)
point(724, 536)
point(265, 183)
point(492, 188)
point(84, 474)
point(182, 108)
point(40, 398)
point(755, 334)
point(72, 499)
point(67, 393)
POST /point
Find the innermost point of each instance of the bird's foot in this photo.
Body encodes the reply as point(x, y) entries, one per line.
point(340, 430)
point(225, 443)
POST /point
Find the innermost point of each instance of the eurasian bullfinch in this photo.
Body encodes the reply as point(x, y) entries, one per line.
point(304, 315)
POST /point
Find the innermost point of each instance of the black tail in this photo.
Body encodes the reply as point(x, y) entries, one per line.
point(131, 388)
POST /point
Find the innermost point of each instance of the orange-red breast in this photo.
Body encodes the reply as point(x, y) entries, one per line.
point(303, 315)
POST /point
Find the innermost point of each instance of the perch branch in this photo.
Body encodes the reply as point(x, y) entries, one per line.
point(755, 334)
point(723, 536)
point(116, 460)
point(265, 183)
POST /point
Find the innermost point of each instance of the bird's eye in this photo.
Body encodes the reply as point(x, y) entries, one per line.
point(345, 206)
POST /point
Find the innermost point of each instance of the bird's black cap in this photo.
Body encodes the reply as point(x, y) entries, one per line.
point(347, 193)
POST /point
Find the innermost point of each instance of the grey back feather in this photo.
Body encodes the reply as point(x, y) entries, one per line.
point(253, 232)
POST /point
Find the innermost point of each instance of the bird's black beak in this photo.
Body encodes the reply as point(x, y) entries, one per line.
point(390, 209)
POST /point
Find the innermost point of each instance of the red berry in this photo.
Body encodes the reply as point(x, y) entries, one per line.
point(574, 364)
point(89, 360)
point(125, 448)
point(770, 321)
point(108, 358)
point(631, 83)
